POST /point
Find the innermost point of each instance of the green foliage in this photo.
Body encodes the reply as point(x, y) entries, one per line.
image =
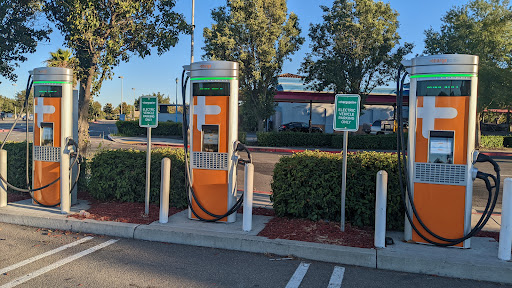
point(299, 139)
point(16, 163)
point(120, 175)
point(377, 142)
point(355, 48)
point(131, 128)
point(483, 28)
point(242, 137)
point(162, 99)
point(20, 31)
point(102, 34)
point(308, 185)
point(259, 35)
point(7, 104)
point(496, 142)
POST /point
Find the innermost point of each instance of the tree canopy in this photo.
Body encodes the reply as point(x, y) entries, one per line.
point(103, 33)
point(355, 48)
point(19, 33)
point(260, 35)
point(483, 28)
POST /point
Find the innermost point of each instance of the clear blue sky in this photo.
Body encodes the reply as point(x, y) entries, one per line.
point(158, 73)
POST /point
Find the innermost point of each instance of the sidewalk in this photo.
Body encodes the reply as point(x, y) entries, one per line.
point(177, 143)
point(478, 263)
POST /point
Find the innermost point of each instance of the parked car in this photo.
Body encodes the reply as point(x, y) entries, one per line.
point(30, 117)
point(382, 127)
point(299, 127)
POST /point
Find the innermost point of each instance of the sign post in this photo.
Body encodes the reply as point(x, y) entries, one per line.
point(149, 119)
point(346, 118)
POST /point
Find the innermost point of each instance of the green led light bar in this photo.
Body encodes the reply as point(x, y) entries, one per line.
point(52, 82)
point(442, 75)
point(213, 78)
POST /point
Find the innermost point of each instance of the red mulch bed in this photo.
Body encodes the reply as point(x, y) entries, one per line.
point(318, 232)
point(15, 197)
point(125, 212)
point(495, 235)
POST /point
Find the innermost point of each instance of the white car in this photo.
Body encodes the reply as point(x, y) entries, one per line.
point(382, 127)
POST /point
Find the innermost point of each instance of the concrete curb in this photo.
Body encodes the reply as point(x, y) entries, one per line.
point(62, 222)
point(481, 265)
point(257, 244)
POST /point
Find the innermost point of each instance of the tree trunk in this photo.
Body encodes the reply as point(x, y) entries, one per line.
point(83, 113)
point(478, 131)
point(260, 123)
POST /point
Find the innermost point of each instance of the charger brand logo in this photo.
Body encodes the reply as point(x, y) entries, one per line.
point(40, 109)
point(439, 60)
point(201, 110)
point(429, 113)
point(206, 66)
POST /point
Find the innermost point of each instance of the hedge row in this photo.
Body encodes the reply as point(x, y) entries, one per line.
point(131, 128)
point(16, 159)
point(299, 139)
point(121, 175)
point(383, 142)
point(169, 128)
point(495, 142)
point(308, 185)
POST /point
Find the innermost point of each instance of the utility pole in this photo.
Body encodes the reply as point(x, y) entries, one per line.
point(192, 33)
point(121, 109)
point(176, 112)
point(133, 115)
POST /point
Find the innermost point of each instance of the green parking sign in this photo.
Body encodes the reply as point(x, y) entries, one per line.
point(148, 111)
point(346, 112)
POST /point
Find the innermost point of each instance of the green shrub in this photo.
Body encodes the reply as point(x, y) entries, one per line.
point(120, 175)
point(131, 128)
point(242, 137)
point(16, 163)
point(491, 142)
point(299, 139)
point(375, 142)
point(507, 141)
point(308, 185)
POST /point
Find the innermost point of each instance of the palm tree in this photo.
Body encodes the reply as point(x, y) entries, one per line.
point(64, 59)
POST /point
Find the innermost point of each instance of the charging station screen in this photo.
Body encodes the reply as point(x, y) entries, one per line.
point(47, 91)
point(441, 147)
point(211, 89)
point(210, 138)
point(46, 134)
point(444, 88)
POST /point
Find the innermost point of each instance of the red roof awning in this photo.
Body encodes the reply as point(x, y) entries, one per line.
point(325, 97)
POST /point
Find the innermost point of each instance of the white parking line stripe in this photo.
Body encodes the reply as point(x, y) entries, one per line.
point(35, 258)
point(56, 265)
point(336, 277)
point(297, 276)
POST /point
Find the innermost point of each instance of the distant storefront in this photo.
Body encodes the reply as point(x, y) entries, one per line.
point(296, 104)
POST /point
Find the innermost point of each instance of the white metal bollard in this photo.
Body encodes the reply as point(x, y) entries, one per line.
point(505, 245)
point(380, 209)
point(248, 195)
point(3, 172)
point(165, 176)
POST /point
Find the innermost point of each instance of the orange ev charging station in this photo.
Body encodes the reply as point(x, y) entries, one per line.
point(53, 122)
point(213, 138)
point(441, 144)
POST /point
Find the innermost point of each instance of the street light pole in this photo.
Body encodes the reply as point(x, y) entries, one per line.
point(14, 84)
point(176, 112)
point(121, 109)
point(192, 33)
point(133, 115)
